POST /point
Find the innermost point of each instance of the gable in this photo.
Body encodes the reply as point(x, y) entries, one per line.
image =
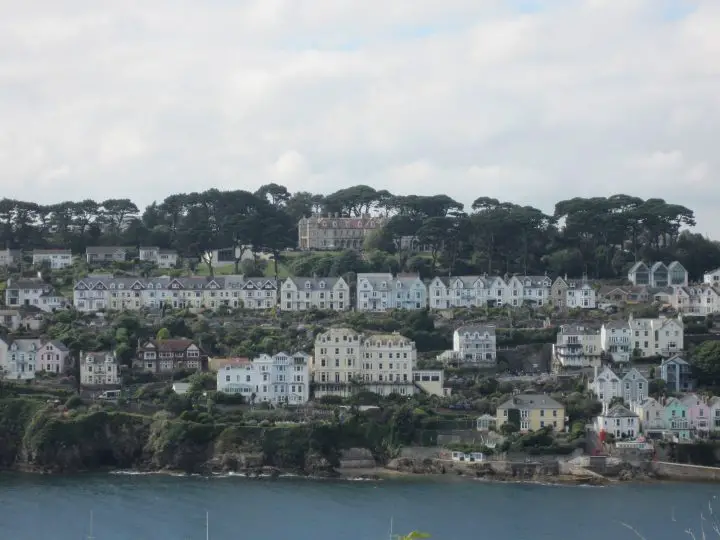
point(175, 285)
point(137, 286)
point(81, 286)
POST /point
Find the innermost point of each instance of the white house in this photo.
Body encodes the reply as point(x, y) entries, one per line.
point(615, 337)
point(18, 358)
point(96, 293)
point(163, 258)
point(576, 347)
point(620, 422)
point(657, 337)
point(712, 277)
point(381, 363)
point(105, 254)
point(580, 294)
point(533, 289)
point(606, 386)
point(657, 274)
point(279, 379)
point(52, 357)
point(35, 293)
point(380, 292)
point(99, 369)
point(303, 293)
point(474, 344)
point(458, 292)
point(56, 258)
point(702, 299)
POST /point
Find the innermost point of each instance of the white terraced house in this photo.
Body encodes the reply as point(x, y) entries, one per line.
point(534, 289)
point(658, 274)
point(712, 277)
point(577, 347)
point(282, 378)
point(56, 258)
point(473, 344)
point(380, 292)
point(657, 337)
point(98, 293)
point(106, 254)
point(35, 293)
point(458, 292)
point(303, 293)
point(632, 387)
point(22, 358)
point(615, 338)
point(163, 258)
point(700, 299)
point(346, 361)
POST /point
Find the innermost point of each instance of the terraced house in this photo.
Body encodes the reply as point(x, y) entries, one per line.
point(96, 293)
point(22, 358)
point(303, 293)
point(380, 292)
point(33, 293)
point(170, 355)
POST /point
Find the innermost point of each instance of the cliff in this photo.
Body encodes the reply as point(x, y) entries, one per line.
point(37, 437)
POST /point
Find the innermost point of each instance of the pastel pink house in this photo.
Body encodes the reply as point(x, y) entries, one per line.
point(52, 357)
point(699, 412)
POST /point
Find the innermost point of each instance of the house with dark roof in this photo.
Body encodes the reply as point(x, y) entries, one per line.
point(170, 355)
point(56, 258)
point(532, 412)
point(620, 422)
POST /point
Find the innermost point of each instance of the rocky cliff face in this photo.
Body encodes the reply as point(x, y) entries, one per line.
point(38, 438)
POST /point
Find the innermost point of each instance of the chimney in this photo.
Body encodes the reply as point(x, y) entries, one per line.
point(596, 373)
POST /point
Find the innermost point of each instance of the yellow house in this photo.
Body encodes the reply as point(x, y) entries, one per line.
point(534, 411)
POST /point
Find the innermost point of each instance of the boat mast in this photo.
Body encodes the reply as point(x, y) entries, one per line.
point(207, 525)
point(90, 536)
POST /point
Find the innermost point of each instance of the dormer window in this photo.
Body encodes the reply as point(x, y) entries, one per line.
point(527, 283)
point(150, 285)
point(307, 284)
point(383, 285)
point(112, 285)
point(121, 286)
point(399, 285)
point(322, 284)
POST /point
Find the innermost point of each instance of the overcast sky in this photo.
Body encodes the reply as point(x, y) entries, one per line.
point(531, 101)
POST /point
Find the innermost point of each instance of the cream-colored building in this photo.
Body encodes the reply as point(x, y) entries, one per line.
point(534, 412)
point(347, 361)
point(577, 347)
point(334, 232)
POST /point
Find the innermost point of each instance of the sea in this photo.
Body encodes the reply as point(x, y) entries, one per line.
point(162, 507)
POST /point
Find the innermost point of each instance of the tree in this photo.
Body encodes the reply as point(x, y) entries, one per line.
point(163, 334)
point(706, 363)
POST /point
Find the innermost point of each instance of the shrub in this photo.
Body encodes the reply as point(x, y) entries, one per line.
point(74, 402)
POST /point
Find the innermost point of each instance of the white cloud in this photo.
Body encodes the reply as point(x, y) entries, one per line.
point(142, 99)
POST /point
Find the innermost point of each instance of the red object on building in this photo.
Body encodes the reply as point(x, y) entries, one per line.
point(603, 435)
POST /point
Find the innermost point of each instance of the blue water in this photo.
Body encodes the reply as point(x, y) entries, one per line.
point(172, 508)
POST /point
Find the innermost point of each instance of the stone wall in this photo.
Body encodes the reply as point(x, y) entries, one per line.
point(680, 471)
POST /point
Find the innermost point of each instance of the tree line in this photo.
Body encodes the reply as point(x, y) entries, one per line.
point(598, 236)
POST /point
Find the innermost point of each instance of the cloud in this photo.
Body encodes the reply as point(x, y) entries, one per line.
point(532, 101)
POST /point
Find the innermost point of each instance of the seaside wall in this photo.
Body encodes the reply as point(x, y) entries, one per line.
point(680, 471)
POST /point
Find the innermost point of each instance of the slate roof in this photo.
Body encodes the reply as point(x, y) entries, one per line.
point(168, 345)
point(314, 282)
point(620, 411)
point(480, 328)
point(635, 267)
point(51, 252)
point(531, 401)
point(105, 250)
point(617, 325)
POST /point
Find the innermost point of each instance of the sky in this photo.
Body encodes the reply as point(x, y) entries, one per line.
point(528, 101)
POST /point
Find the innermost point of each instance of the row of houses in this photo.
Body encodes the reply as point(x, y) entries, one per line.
point(617, 341)
point(677, 418)
point(94, 255)
point(345, 361)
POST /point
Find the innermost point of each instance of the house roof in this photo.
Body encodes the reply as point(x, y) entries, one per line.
point(617, 325)
point(676, 264)
point(98, 356)
point(620, 411)
point(105, 250)
point(576, 329)
point(635, 267)
point(677, 359)
point(300, 282)
point(535, 281)
point(531, 401)
point(607, 374)
point(638, 375)
point(52, 252)
point(24, 344)
point(26, 284)
point(658, 265)
point(165, 282)
point(480, 328)
point(169, 345)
